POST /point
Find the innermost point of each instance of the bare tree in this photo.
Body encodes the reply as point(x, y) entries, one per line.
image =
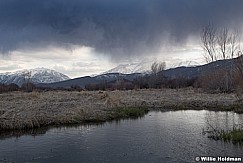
point(27, 86)
point(158, 67)
point(223, 39)
point(219, 44)
point(227, 43)
point(154, 68)
point(234, 44)
point(157, 77)
point(209, 39)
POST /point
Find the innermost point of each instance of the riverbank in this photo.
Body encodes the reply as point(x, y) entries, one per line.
point(20, 110)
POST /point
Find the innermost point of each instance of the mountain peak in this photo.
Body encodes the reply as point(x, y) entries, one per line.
point(130, 68)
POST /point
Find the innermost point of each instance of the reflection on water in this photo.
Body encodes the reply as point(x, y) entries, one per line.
point(42, 131)
point(158, 137)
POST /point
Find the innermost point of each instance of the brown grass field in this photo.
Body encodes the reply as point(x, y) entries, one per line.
point(19, 110)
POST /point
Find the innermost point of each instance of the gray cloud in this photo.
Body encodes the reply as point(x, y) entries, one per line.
point(114, 27)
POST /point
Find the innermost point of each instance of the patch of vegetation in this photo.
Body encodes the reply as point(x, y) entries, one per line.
point(235, 135)
point(127, 112)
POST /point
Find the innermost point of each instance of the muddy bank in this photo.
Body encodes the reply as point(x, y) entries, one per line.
point(20, 110)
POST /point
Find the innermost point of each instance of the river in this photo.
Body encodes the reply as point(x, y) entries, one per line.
point(173, 136)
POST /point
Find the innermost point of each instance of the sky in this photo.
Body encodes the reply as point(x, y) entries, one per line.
point(85, 37)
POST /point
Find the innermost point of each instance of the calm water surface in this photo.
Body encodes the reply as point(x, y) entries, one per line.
point(157, 137)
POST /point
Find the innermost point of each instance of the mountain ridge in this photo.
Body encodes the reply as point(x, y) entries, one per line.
point(37, 75)
point(145, 67)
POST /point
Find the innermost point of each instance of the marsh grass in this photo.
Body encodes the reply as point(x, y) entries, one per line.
point(78, 116)
point(127, 112)
point(235, 135)
point(21, 110)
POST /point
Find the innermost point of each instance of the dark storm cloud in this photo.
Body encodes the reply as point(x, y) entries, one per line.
point(114, 27)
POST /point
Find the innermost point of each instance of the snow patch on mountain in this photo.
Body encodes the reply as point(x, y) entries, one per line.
point(129, 68)
point(185, 64)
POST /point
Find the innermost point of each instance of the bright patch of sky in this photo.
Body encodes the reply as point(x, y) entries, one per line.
point(80, 61)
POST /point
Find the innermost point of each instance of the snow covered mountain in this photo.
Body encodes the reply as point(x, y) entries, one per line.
point(130, 68)
point(38, 75)
point(145, 67)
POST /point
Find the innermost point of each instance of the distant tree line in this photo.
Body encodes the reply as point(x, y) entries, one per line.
point(26, 87)
point(8, 88)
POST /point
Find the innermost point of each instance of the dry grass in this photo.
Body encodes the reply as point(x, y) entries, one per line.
point(20, 110)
